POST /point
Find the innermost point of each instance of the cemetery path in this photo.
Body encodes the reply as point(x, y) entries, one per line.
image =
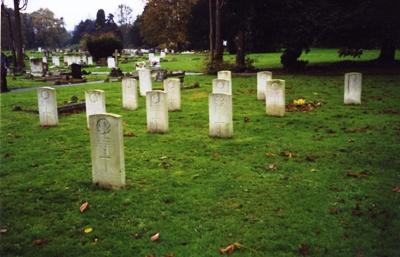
point(55, 86)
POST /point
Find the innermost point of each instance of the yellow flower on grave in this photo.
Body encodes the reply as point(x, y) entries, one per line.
point(300, 101)
point(88, 230)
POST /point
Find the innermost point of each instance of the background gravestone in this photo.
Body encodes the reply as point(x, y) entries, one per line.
point(95, 103)
point(221, 86)
point(76, 71)
point(227, 75)
point(275, 97)
point(129, 94)
point(172, 87)
point(37, 67)
point(220, 115)
point(157, 111)
point(144, 81)
point(110, 62)
point(47, 102)
point(107, 150)
point(262, 78)
point(55, 60)
point(352, 88)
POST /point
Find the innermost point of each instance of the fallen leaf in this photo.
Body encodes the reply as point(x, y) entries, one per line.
point(83, 207)
point(304, 250)
point(272, 167)
point(129, 134)
point(311, 158)
point(357, 174)
point(40, 241)
point(3, 230)
point(88, 230)
point(287, 154)
point(396, 189)
point(230, 248)
point(269, 154)
point(95, 240)
point(155, 237)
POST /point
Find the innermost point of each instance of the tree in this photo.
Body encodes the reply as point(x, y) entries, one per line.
point(198, 27)
point(18, 32)
point(100, 20)
point(84, 27)
point(124, 15)
point(164, 23)
point(50, 31)
point(7, 32)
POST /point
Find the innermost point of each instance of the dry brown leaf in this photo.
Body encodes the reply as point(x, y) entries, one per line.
point(230, 248)
point(396, 189)
point(304, 250)
point(155, 237)
point(269, 154)
point(83, 207)
point(40, 241)
point(288, 154)
point(129, 134)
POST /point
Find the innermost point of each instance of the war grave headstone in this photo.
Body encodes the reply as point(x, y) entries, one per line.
point(47, 102)
point(107, 150)
point(220, 115)
point(95, 103)
point(172, 87)
point(352, 88)
point(275, 97)
point(262, 78)
point(157, 111)
point(129, 94)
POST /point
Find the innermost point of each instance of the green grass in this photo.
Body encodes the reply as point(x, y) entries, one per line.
point(201, 193)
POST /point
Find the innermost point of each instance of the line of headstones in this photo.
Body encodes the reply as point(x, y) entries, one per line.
point(106, 134)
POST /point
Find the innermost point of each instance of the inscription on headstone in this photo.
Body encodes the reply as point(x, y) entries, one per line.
point(227, 75)
point(221, 86)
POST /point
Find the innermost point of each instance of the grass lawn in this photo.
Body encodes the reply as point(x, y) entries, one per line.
point(318, 183)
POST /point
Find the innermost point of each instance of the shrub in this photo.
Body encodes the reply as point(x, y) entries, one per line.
point(289, 59)
point(103, 45)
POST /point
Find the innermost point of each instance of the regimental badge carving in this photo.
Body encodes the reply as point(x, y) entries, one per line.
point(103, 126)
point(220, 100)
point(93, 97)
point(45, 95)
point(220, 85)
point(155, 99)
point(171, 85)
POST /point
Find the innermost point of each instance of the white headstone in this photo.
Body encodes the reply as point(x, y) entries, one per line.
point(55, 60)
point(275, 97)
point(90, 60)
point(144, 81)
point(227, 75)
point(140, 65)
point(157, 111)
point(129, 94)
point(37, 67)
point(162, 55)
point(84, 59)
point(262, 78)
point(44, 59)
point(107, 147)
point(221, 86)
point(352, 88)
point(110, 62)
point(172, 87)
point(47, 101)
point(220, 115)
point(95, 103)
point(151, 56)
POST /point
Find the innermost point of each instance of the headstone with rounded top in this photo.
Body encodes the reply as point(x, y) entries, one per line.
point(129, 94)
point(220, 115)
point(157, 111)
point(95, 101)
point(275, 97)
point(172, 87)
point(262, 78)
point(352, 88)
point(47, 102)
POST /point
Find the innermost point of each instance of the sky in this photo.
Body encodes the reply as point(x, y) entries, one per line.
point(73, 11)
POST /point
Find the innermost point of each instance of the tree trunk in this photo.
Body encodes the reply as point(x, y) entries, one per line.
point(18, 36)
point(211, 35)
point(240, 53)
point(388, 51)
point(12, 42)
point(218, 38)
